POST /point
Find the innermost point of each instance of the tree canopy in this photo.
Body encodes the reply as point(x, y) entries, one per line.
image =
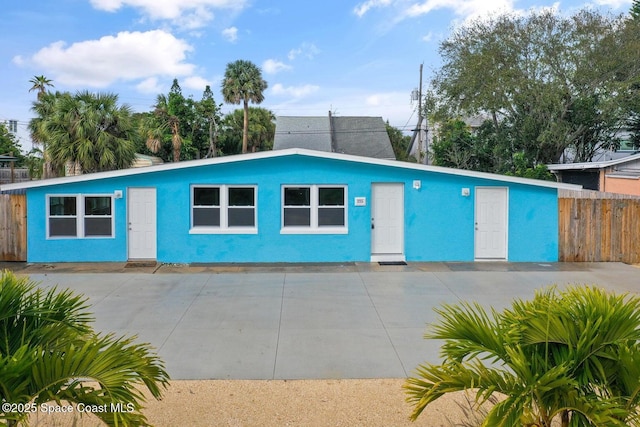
point(549, 83)
point(40, 85)
point(9, 144)
point(635, 9)
point(260, 132)
point(399, 142)
point(86, 129)
point(179, 127)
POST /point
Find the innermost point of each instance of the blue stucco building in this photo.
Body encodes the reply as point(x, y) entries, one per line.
point(291, 205)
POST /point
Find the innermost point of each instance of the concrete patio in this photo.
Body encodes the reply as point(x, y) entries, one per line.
point(301, 321)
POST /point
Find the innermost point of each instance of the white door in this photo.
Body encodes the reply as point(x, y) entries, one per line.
point(142, 223)
point(491, 223)
point(387, 222)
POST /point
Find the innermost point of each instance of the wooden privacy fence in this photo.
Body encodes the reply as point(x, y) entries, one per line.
point(599, 227)
point(13, 227)
point(8, 175)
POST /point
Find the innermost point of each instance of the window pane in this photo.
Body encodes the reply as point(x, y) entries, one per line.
point(297, 196)
point(62, 227)
point(62, 206)
point(206, 196)
point(331, 196)
point(97, 205)
point(297, 217)
point(206, 217)
point(241, 197)
point(241, 217)
point(331, 216)
point(97, 226)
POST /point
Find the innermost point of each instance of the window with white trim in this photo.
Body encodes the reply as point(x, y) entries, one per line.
point(80, 216)
point(314, 208)
point(223, 208)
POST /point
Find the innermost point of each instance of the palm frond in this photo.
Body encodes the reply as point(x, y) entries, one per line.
point(48, 351)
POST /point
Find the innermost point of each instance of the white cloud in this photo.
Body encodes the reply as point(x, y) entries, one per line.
point(466, 9)
point(363, 8)
point(395, 107)
point(615, 4)
point(18, 60)
point(196, 83)
point(230, 34)
point(195, 19)
point(126, 56)
point(294, 91)
point(185, 13)
point(150, 85)
point(428, 37)
point(272, 66)
point(306, 50)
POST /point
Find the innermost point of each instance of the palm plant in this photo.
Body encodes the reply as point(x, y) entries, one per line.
point(571, 355)
point(50, 353)
point(170, 116)
point(635, 9)
point(243, 83)
point(86, 129)
point(40, 84)
point(43, 108)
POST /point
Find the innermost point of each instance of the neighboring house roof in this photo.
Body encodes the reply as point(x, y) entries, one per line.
point(358, 136)
point(283, 153)
point(593, 165)
point(7, 158)
point(311, 133)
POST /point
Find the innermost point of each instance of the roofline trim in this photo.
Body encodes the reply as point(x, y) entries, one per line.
point(284, 153)
point(592, 165)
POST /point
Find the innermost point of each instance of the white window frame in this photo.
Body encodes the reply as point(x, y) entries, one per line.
point(314, 206)
point(224, 227)
point(80, 216)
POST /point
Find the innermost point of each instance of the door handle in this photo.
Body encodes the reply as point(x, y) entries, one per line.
point(372, 225)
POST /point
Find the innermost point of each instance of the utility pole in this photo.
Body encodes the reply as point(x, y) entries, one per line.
point(420, 118)
point(417, 132)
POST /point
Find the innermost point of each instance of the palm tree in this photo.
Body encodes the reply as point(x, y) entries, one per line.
point(261, 129)
point(572, 355)
point(168, 115)
point(43, 108)
point(635, 10)
point(154, 127)
point(243, 83)
point(88, 130)
point(50, 353)
point(40, 83)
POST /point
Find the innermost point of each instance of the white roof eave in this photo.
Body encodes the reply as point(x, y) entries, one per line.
point(283, 153)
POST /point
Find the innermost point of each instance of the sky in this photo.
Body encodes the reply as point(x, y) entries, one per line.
point(350, 57)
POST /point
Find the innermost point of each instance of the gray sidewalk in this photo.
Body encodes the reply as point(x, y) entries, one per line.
point(294, 322)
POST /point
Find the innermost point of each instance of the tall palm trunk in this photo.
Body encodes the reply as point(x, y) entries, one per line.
point(47, 167)
point(245, 127)
point(213, 148)
point(176, 140)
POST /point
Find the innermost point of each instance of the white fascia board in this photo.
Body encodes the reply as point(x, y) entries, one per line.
point(283, 153)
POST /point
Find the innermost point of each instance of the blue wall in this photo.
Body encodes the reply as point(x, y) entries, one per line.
point(439, 221)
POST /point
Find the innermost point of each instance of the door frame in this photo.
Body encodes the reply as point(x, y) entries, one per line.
point(391, 257)
point(130, 190)
point(505, 191)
